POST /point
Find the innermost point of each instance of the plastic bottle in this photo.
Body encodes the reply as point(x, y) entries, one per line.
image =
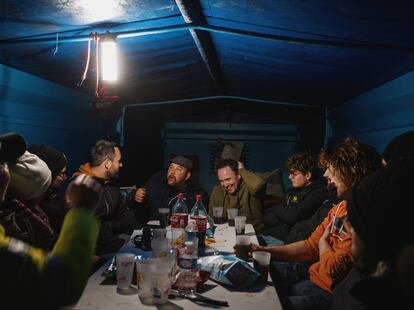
point(179, 213)
point(191, 233)
point(199, 215)
point(159, 243)
point(187, 277)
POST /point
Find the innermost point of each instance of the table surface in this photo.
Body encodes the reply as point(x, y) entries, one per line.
point(99, 296)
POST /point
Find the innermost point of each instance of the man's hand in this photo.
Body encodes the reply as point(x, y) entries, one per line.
point(140, 194)
point(324, 240)
point(4, 180)
point(84, 192)
point(240, 165)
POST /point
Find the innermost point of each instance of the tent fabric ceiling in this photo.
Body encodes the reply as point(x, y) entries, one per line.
point(319, 53)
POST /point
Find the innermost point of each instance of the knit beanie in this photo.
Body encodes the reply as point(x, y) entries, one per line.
point(30, 177)
point(54, 159)
point(380, 209)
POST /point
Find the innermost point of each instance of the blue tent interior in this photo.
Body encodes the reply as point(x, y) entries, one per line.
point(328, 68)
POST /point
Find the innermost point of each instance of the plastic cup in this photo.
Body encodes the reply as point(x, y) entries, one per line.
point(261, 262)
point(218, 215)
point(160, 281)
point(144, 278)
point(177, 237)
point(243, 247)
point(240, 224)
point(231, 214)
point(164, 213)
point(124, 270)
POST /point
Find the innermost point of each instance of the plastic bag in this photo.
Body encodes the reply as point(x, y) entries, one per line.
point(229, 270)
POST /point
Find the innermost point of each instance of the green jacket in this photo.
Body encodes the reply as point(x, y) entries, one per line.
point(37, 279)
point(249, 195)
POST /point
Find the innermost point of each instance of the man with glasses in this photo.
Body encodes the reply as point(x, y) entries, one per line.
point(307, 194)
point(53, 205)
point(328, 249)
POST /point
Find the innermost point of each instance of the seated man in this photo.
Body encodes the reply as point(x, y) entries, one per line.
point(113, 211)
point(329, 247)
point(53, 205)
point(21, 216)
point(381, 226)
point(162, 189)
point(307, 194)
point(239, 188)
point(37, 279)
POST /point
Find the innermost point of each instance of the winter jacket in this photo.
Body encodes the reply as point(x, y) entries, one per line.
point(32, 278)
point(160, 195)
point(29, 224)
point(300, 204)
point(332, 266)
point(115, 214)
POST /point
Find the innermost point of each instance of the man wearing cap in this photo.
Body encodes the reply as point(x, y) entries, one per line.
point(162, 189)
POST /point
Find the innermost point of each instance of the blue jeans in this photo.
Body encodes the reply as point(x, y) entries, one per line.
point(295, 289)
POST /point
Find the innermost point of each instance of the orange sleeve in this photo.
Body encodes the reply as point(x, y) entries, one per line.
point(312, 243)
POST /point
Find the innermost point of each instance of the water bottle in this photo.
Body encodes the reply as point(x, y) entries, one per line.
point(159, 243)
point(187, 277)
point(199, 215)
point(179, 213)
point(191, 233)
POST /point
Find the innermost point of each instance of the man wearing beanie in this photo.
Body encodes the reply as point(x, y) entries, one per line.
point(53, 205)
point(381, 222)
point(32, 278)
point(22, 217)
point(162, 189)
point(328, 249)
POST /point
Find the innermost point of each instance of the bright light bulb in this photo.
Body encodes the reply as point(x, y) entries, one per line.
point(109, 56)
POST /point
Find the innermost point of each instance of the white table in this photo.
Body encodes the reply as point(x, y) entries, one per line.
point(262, 297)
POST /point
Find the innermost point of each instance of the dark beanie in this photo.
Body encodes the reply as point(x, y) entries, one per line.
point(381, 211)
point(55, 160)
point(400, 148)
point(182, 161)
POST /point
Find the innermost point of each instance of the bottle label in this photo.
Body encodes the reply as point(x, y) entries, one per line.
point(201, 222)
point(179, 220)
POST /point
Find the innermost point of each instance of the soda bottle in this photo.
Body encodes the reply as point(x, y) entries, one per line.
point(187, 277)
point(179, 213)
point(199, 215)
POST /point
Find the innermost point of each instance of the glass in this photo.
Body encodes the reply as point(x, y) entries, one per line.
point(261, 262)
point(164, 216)
point(144, 277)
point(231, 214)
point(240, 224)
point(124, 270)
point(160, 281)
point(243, 247)
point(218, 215)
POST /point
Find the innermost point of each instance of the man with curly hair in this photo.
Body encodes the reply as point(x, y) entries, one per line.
point(328, 249)
point(307, 194)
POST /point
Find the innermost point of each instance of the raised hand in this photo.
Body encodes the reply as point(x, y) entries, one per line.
point(84, 192)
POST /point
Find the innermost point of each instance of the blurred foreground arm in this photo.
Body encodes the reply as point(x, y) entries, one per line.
point(34, 277)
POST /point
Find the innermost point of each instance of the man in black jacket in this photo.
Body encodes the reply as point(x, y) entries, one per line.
point(114, 211)
point(301, 201)
point(162, 189)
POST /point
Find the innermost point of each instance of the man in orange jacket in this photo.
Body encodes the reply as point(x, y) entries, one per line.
point(328, 249)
